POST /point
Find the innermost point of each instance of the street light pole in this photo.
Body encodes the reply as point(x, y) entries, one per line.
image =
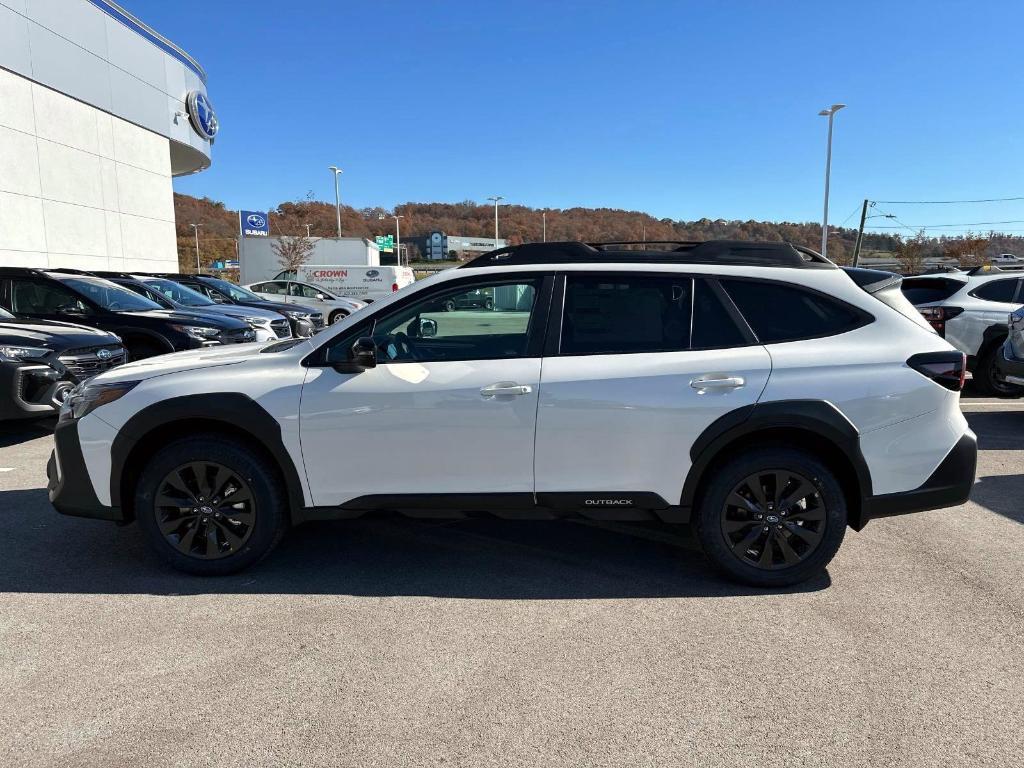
point(544, 225)
point(195, 227)
point(830, 113)
point(398, 238)
point(496, 199)
point(307, 229)
point(337, 195)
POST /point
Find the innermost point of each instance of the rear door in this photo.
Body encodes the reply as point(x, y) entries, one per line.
point(987, 305)
point(637, 366)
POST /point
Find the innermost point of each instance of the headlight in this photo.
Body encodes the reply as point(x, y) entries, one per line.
point(256, 321)
point(297, 315)
point(86, 397)
point(197, 331)
point(13, 354)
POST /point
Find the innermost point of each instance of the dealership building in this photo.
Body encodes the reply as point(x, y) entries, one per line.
point(98, 112)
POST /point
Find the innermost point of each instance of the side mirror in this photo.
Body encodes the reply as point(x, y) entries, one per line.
point(428, 328)
point(321, 297)
point(363, 355)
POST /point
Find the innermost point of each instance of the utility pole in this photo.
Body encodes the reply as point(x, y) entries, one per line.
point(307, 229)
point(496, 199)
point(830, 113)
point(544, 226)
point(337, 195)
point(199, 267)
point(860, 233)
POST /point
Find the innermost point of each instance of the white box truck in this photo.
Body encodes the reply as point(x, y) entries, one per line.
point(357, 282)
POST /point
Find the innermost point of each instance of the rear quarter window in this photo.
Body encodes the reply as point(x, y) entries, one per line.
point(926, 290)
point(997, 290)
point(777, 312)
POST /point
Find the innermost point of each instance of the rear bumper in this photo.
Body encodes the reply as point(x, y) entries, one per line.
point(68, 484)
point(948, 486)
point(1011, 368)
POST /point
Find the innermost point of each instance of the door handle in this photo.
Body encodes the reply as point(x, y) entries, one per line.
point(506, 388)
point(717, 382)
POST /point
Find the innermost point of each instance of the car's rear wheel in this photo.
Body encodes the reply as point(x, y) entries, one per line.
point(337, 316)
point(772, 517)
point(209, 505)
point(987, 378)
point(449, 305)
point(488, 304)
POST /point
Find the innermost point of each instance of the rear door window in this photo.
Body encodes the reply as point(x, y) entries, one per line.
point(713, 324)
point(778, 312)
point(625, 313)
point(997, 290)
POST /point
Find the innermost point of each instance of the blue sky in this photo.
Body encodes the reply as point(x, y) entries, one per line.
point(684, 110)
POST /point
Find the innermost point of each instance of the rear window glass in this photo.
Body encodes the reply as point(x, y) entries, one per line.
point(997, 290)
point(924, 290)
point(778, 312)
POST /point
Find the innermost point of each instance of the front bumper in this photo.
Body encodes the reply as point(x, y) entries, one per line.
point(948, 486)
point(1010, 368)
point(31, 390)
point(68, 484)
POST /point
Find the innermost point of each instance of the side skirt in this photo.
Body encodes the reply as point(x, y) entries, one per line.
point(615, 505)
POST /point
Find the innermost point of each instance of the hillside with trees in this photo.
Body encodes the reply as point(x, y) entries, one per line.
point(522, 224)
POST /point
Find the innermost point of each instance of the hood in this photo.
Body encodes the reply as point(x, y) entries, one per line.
point(176, 362)
point(53, 335)
point(240, 311)
point(279, 307)
point(181, 316)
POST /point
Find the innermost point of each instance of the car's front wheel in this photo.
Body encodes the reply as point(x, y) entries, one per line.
point(209, 505)
point(771, 517)
point(987, 378)
point(337, 316)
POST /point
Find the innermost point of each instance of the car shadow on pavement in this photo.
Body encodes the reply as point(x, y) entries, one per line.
point(1000, 494)
point(998, 430)
point(18, 432)
point(44, 552)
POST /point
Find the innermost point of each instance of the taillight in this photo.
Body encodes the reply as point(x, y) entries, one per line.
point(946, 369)
point(937, 316)
point(394, 287)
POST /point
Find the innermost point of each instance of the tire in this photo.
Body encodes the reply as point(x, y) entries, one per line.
point(337, 316)
point(244, 533)
point(987, 379)
point(723, 528)
point(489, 304)
point(449, 306)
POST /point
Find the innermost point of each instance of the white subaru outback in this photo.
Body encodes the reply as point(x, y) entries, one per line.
point(754, 390)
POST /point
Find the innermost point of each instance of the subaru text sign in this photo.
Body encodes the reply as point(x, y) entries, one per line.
point(254, 224)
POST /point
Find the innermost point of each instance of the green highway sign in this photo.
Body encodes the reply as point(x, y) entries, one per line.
point(386, 243)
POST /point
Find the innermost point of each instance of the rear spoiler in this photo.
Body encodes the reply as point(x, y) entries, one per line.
point(873, 280)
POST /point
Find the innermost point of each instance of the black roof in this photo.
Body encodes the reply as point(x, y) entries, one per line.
point(731, 252)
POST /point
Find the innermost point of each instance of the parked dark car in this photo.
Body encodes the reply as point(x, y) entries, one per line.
point(267, 324)
point(304, 321)
point(84, 299)
point(41, 361)
point(470, 300)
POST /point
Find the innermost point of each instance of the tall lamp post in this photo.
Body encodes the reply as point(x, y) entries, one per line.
point(195, 228)
point(307, 229)
point(830, 113)
point(496, 199)
point(398, 238)
point(337, 195)
point(543, 225)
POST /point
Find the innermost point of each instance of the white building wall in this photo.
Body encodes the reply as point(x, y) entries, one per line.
point(80, 187)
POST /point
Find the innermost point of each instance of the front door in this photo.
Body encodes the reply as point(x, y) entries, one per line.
point(644, 363)
point(449, 410)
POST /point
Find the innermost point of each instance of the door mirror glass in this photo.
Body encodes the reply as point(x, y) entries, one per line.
point(423, 328)
point(321, 297)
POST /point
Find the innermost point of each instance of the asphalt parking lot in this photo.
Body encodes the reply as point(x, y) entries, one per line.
point(477, 643)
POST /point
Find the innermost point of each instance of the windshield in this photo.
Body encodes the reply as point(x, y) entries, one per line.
point(235, 292)
point(179, 293)
point(108, 295)
point(322, 290)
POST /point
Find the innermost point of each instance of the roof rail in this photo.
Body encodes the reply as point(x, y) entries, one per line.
point(730, 252)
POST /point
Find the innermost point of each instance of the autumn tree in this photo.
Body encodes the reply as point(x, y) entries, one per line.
point(292, 251)
point(910, 253)
point(969, 249)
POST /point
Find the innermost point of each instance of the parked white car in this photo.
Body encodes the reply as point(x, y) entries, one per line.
point(754, 390)
point(969, 309)
point(334, 307)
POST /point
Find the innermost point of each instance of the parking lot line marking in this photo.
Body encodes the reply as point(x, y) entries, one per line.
point(6, 469)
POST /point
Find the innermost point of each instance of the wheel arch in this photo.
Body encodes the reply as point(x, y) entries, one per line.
point(230, 414)
point(994, 335)
point(816, 426)
point(141, 334)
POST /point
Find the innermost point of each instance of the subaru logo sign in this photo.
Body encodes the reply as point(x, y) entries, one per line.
point(254, 224)
point(104, 354)
point(372, 273)
point(202, 115)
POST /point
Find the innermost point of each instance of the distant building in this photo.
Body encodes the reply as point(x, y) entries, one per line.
point(438, 245)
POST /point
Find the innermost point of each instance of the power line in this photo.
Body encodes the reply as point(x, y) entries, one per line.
point(956, 226)
point(949, 202)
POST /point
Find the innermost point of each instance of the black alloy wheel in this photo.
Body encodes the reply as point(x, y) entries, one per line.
point(773, 519)
point(205, 510)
